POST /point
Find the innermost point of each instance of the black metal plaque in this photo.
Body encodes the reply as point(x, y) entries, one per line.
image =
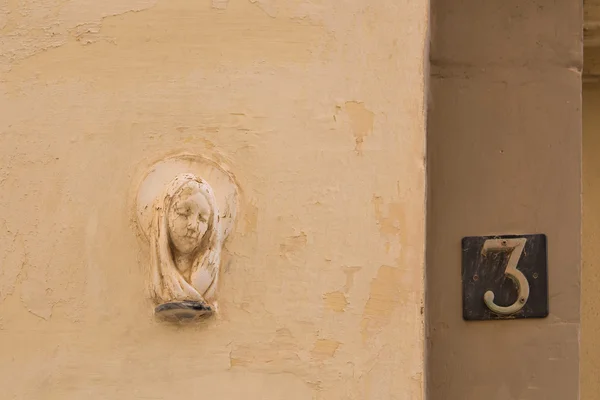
point(505, 277)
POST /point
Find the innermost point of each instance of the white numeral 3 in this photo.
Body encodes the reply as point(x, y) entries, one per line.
point(515, 246)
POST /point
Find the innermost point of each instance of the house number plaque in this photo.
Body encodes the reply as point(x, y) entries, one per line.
point(504, 277)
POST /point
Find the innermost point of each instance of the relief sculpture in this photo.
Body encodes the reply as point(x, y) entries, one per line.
point(186, 221)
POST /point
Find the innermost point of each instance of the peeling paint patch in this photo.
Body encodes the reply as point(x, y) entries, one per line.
point(292, 245)
point(325, 348)
point(244, 38)
point(361, 120)
point(384, 297)
point(350, 272)
point(390, 217)
point(336, 301)
point(27, 33)
point(220, 4)
point(280, 352)
point(86, 33)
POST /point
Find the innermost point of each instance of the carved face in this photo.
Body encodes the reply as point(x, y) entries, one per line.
point(188, 219)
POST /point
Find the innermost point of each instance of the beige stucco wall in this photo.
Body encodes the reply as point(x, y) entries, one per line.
point(504, 157)
point(318, 109)
point(590, 299)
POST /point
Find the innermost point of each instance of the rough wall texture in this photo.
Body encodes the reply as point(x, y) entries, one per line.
point(504, 157)
point(317, 108)
point(590, 300)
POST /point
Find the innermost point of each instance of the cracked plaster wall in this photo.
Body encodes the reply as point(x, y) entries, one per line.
point(318, 109)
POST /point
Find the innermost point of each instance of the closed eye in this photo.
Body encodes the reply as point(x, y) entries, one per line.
point(183, 212)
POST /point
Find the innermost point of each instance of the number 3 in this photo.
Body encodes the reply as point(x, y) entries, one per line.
point(517, 246)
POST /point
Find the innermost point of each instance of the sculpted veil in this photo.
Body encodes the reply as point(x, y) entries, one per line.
point(186, 208)
point(185, 255)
